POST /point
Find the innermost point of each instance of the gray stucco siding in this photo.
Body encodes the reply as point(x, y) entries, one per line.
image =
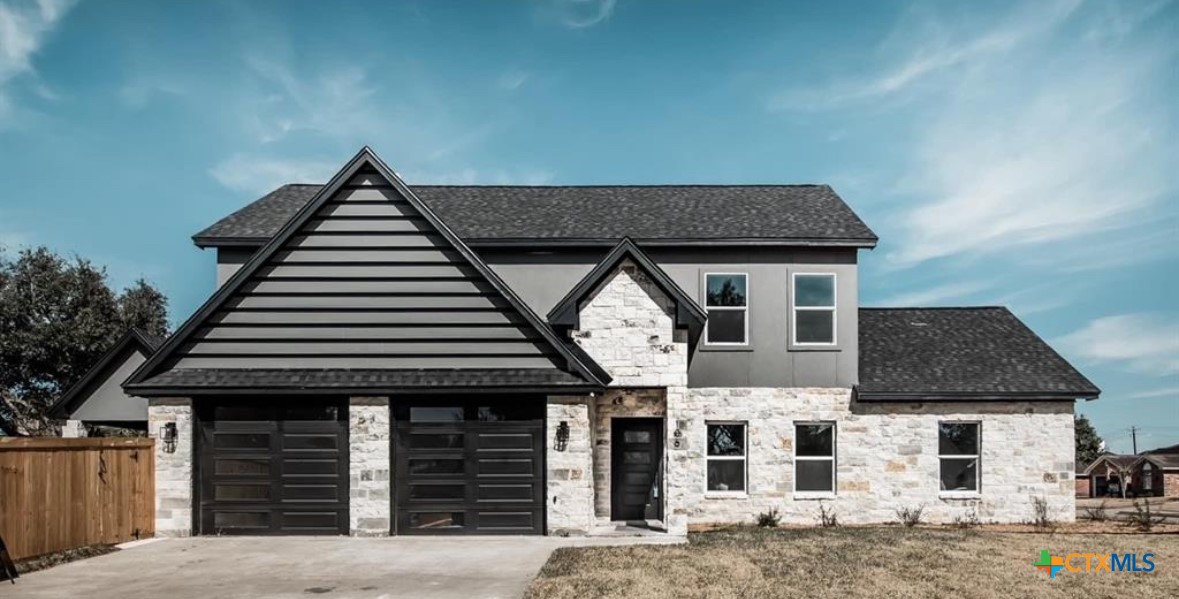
point(106, 402)
point(542, 279)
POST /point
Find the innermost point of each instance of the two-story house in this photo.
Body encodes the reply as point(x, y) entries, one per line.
point(387, 359)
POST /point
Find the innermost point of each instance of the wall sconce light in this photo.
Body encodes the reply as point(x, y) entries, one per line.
point(168, 436)
point(562, 436)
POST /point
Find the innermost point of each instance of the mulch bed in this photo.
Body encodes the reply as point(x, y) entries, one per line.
point(49, 560)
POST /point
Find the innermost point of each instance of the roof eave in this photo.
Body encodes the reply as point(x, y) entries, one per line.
point(920, 396)
point(207, 241)
point(149, 390)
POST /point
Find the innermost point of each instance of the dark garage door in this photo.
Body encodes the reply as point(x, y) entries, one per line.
point(470, 467)
point(273, 469)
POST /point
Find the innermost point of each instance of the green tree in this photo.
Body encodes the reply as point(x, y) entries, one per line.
point(57, 317)
point(1088, 441)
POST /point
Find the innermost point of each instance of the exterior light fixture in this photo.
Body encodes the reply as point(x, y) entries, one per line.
point(168, 436)
point(562, 436)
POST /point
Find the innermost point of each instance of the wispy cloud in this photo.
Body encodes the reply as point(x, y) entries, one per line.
point(334, 102)
point(1144, 343)
point(24, 27)
point(940, 49)
point(1164, 393)
point(578, 14)
point(260, 174)
point(473, 176)
point(935, 295)
point(512, 80)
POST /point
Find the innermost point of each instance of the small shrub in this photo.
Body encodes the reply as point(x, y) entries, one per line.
point(1041, 515)
point(1097, 513)
point(966, 520)
point(827, 517)
point(1143, 518)
point(770, 519)
point(911, 516)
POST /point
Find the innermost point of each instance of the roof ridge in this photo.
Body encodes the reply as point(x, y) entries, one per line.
point(588, 185)
point(884, 308)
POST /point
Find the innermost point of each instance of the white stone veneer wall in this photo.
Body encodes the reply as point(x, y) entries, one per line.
point(570, 490)
point(369, 434)
point(886, 456)
point(173, 470)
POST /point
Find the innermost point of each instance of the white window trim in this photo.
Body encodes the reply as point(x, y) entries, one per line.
point(976, 457)
point(744, 308)
point(833, 459)
point(744, 457)
point(795, 308)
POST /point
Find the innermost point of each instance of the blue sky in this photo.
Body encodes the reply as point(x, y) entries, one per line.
point(1021, 154)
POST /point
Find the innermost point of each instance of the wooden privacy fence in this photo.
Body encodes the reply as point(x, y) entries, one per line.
point(58, 494)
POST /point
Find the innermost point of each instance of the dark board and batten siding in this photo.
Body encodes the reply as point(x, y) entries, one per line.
point(367, 282)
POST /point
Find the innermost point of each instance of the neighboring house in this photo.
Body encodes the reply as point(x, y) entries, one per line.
point(98, 397)
point(1157, 472)
point(385, 359)
point(1109, 473)
point(1084, 486)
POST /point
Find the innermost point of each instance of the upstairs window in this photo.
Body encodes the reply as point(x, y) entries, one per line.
point(958, 450)
point(814, 458)
point(727, 302)
point(814, 309)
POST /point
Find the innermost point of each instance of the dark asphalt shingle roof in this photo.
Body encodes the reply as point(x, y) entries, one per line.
point(797, 213)
point(280, 379)
point(1168, 461)
point(959, 353)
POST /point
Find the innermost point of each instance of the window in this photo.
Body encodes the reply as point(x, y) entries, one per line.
point(726, 458)
point(814, 458)
point(814, 309)
point(727, 302)
point(958, 450)
point(1147, 475)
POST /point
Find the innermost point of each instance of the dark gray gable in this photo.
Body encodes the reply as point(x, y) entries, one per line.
point(132, 341)
point(365, 277)
point(688, 314)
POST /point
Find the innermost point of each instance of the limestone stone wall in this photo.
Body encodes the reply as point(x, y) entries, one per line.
point(628, 326)
point(173, 470)
point(618, 403)
point(570, 490)
point(369, 434)
point(886, 456)
point(73, 429)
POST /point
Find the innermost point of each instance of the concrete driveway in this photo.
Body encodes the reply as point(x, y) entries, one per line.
point(332, 568)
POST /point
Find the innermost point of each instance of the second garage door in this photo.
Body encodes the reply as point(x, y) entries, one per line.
point(470, 466)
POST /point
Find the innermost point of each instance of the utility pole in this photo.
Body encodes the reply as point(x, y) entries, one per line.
point(1134, 438)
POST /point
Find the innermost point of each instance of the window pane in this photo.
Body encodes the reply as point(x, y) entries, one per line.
point(726, 439)
point(814, 291)
point(726, 290)
point(815, 439)
point(436, 414)
point(726, 475)
point(957, 438)
point(726, 326)
point(436, 519)
point(815, 326)
point(814, 475)
point(959, 474)
point(436, 466)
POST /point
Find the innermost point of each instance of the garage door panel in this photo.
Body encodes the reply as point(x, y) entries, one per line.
point(481, 475)
point(286, 475)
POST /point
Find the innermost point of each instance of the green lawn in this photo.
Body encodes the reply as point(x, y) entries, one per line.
point(846, 563)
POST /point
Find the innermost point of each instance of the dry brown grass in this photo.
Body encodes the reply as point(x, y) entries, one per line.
point(847, 563)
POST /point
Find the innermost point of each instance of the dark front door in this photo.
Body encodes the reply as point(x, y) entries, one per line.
point(636, 466)
point(267, 469)
point(469, 466)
